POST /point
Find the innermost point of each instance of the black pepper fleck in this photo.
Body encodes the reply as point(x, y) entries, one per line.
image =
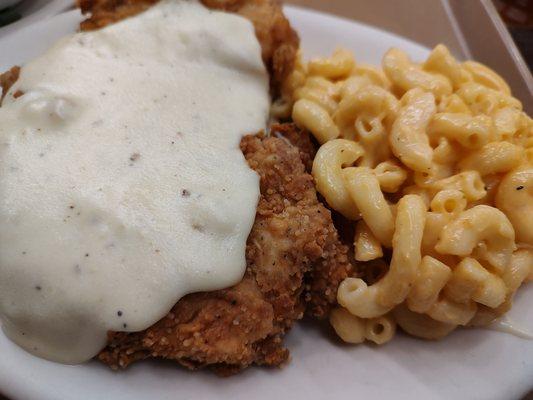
point(135, 157)
point(86, 254)
point(119, 313)
point(23, 253)
point(185, 193)
point(125, 325)
point(519, 187)
point(198, 227)
point(38, 287)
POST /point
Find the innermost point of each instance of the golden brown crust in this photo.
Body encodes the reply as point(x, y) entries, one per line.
point(279, 42)
point(105, 12)
point(299, 138)
point(7, 79)
point(327, 273)
point(223, 327)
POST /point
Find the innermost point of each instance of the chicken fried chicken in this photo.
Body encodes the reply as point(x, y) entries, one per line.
point(279, 42)
point(294, 257)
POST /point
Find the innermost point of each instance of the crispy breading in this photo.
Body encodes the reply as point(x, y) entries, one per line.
point(325, 276)
point(279, 42)
point(232, 328)
point(299, 138)
point(7, 79)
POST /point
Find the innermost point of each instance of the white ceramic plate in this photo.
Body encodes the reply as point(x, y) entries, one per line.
point(33, 11)
point(469, 364)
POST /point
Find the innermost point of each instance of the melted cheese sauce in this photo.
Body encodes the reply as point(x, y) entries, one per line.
point(122, 186)
point(507, 326)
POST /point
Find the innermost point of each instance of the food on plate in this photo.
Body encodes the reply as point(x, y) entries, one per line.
point(154, 206)
point(431, 164)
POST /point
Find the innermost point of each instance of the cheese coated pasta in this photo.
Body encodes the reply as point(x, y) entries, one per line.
point(432, 163)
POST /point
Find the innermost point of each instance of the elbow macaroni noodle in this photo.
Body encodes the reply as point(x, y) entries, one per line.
point(433, 163)
point(353, 329)
point(364, 189)
point(367, 247)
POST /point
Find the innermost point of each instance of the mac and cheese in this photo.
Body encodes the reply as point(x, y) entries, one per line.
point(433, 163)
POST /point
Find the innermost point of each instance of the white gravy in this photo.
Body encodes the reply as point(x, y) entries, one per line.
point(122, 186)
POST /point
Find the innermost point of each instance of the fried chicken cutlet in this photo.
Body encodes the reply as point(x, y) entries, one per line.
point(292, 249)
